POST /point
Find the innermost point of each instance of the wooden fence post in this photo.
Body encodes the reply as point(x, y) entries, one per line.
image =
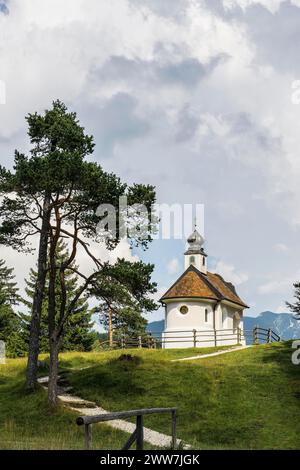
point(140, 341)
point(215, 337)
point(255, 335)
point(88, 436)
point(174, 443)
point(195, 338)
point(139, 433)
point(269, 335)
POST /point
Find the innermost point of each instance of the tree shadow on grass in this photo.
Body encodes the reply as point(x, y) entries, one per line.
point(117, 378)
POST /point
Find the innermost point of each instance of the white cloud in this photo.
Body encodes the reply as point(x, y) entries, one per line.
point(197, 103)
point(230, 273)
point(277, 286)
point(282, 308)
point(22, 262)
point(272, 5)
point(173, 266)
point(281, 247)
point(51, 48)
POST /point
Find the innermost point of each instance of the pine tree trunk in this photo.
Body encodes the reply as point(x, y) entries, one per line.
point(110, 328)
point(52, 331)
point(33, 352)
point(53, 372)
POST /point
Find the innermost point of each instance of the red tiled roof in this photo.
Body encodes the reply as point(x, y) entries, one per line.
point(193, 283)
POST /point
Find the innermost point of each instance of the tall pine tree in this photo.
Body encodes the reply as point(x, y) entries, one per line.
point(78, 333)
point(10, 325)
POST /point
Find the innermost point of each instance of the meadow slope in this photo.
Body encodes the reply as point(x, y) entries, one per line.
point(248, 399)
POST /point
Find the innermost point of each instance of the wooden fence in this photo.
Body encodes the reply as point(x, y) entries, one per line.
point(138, 434)
point(153, 340)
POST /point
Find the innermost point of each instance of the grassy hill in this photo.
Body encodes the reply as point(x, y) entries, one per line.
point(248, 399)
point(27, 423)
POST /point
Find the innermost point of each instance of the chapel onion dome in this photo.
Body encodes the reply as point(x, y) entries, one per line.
point(195, 242)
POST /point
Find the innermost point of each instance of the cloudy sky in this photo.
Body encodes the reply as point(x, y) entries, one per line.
point(193, 96)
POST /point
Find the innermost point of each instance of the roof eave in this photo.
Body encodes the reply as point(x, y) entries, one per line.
point(196, 297)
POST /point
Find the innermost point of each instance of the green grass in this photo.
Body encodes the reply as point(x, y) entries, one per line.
point(77, 360)
point(27, 423)
point(249, 399)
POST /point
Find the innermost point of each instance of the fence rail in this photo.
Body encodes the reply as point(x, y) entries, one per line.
point(153, 340)
point(137, 435)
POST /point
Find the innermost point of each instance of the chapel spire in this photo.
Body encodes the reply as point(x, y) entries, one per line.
point(195, 254)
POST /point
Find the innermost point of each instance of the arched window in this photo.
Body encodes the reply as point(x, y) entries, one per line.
point(236, 321)
point(192, 259)
point(224, 316)
point(206, 315)
point(203, 260)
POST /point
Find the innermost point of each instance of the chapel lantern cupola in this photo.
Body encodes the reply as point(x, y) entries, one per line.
point(195, 254)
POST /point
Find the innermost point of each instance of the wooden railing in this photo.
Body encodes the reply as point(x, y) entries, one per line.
point(208, 337)
point(138, 434)
point(263, 334)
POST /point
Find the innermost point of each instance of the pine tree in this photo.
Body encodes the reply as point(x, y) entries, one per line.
point(122, 292)
point(8, 287)
point(296, 306)
point(78, 334)
point(10, 325)
point(125, 320)
point(56, 193)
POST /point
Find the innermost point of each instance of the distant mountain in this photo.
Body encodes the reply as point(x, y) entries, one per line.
point(156, 326)
point(284, 324)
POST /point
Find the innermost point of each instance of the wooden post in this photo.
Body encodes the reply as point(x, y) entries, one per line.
point(238, 335)
point(130, 441)
point(110, 329)
point(122, 341)
point(215, 336)
point(269, 335)
point(88, 436)
point(174, 443)
point(139, 433)
point(195, 338)
point(140, 341)
point(255, 335)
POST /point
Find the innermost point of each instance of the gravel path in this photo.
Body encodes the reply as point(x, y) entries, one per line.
point(89, 408)
point(218, 353)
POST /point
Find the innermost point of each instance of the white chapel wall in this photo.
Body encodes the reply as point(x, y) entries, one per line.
point(193, 319)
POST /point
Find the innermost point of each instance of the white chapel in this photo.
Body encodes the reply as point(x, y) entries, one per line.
point(201, 308)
